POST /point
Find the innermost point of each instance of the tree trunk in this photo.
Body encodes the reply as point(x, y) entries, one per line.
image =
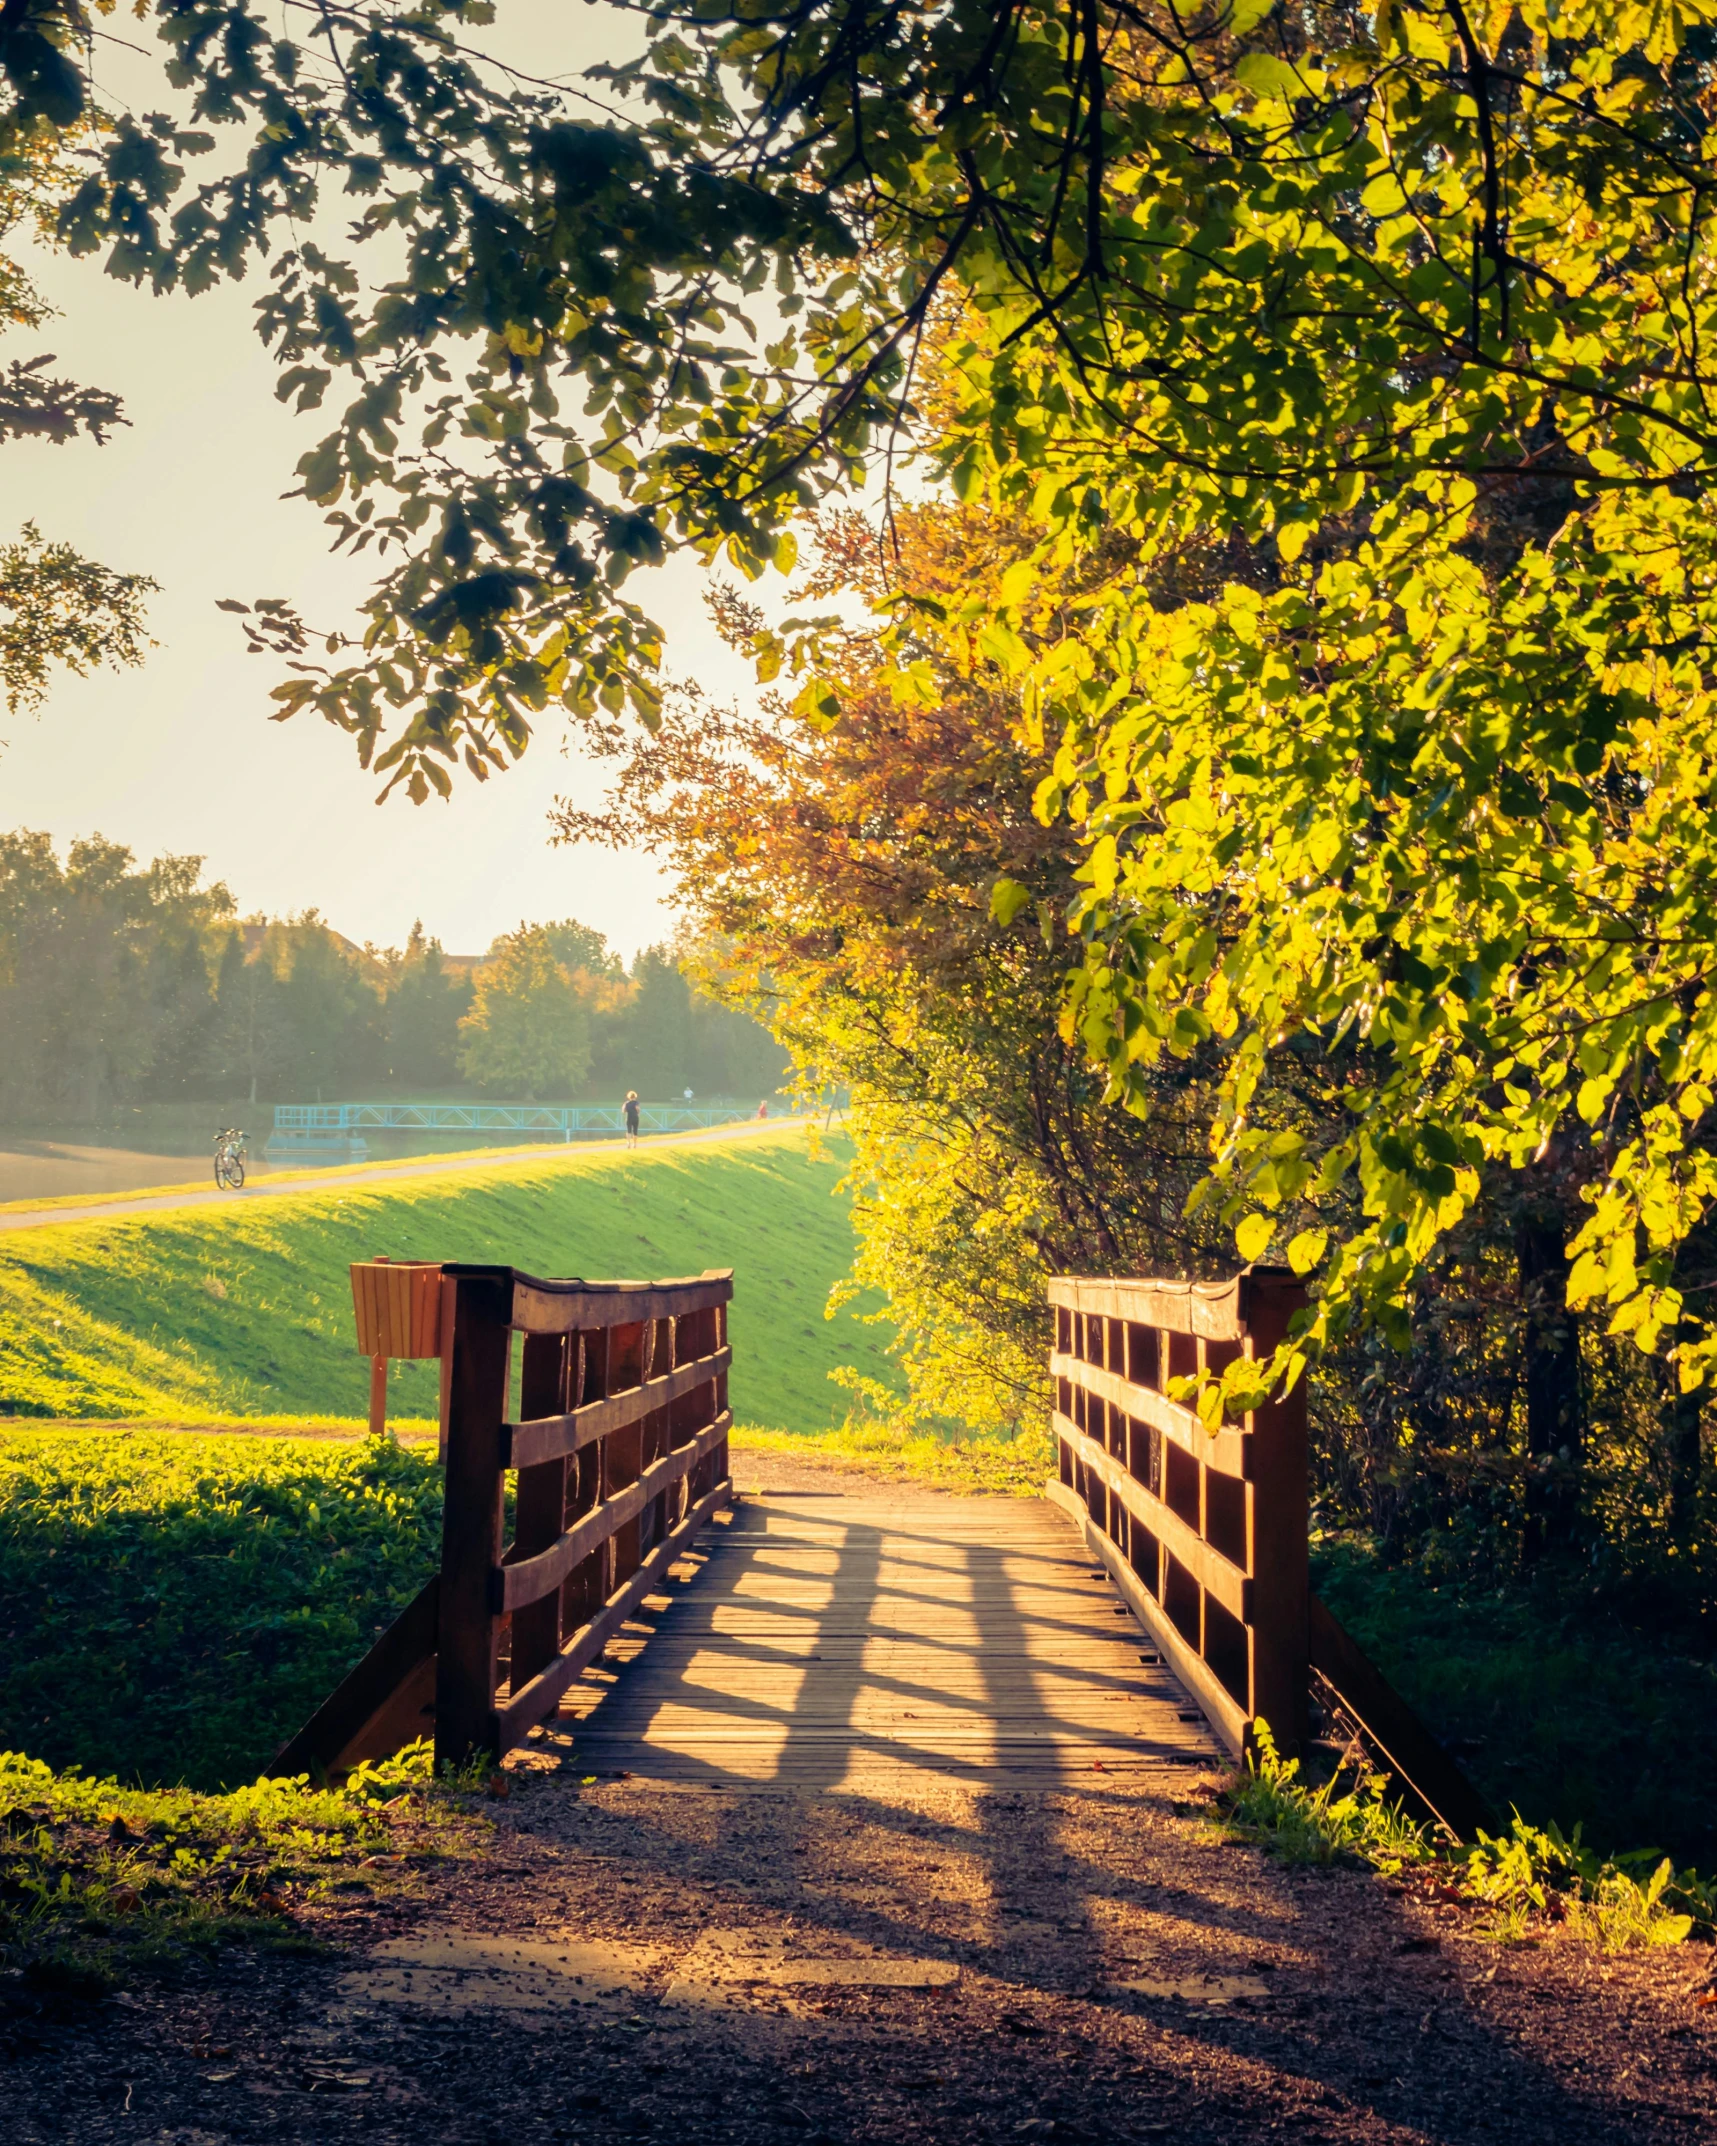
point(1683, 1428)
point(1683, 1419)
point(1554, 1417)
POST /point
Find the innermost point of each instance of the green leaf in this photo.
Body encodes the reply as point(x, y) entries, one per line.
point(1007, 899)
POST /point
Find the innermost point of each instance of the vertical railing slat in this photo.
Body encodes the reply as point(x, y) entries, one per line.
point(539, 1512)
point(1278, 1527)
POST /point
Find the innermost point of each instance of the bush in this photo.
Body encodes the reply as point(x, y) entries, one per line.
point(174, 1606)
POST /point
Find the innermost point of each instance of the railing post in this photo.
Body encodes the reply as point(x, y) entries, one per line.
point(466, 1666)
point(1277, 1522)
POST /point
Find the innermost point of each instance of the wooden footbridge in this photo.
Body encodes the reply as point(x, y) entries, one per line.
point(598, 1577)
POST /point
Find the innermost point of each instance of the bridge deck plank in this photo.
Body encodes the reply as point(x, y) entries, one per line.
point(838, 1641)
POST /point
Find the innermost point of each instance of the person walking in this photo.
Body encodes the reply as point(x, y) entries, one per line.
point(631, 1117)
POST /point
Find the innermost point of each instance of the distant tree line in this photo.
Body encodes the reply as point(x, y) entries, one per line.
point(125, 984)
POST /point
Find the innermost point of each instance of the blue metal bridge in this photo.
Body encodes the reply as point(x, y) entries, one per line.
point(310, 1126)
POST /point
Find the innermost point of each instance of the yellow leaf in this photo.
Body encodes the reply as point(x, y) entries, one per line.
point(1018, 583)
point(1266, 76)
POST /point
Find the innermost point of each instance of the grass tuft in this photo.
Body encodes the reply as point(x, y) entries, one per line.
point(1268, 1805)
point(1524, 1880)
point(100, 1882)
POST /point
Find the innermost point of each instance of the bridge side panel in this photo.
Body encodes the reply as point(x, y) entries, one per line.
point(1204, 1531)
point(471, 1516)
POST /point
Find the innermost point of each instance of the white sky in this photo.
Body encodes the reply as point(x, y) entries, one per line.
point(180, 756)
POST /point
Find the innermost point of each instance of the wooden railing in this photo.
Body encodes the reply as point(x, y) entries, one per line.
point(1205, 1533)
point(619, 1448)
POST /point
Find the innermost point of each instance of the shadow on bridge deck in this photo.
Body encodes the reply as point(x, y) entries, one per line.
point(832, 1642)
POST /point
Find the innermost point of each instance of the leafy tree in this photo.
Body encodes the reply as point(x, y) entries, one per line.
point(730, 1052)
point(581, 948)
point(1428, 791)
point(250, 1026)
point(843, 869)
point(329, 1008)
point(847, 871)
point(1413, 307)
point(529, 1025)
point(846, 158)
point(56, 606)
point(658, 1026)
point(424, 1005)
point(104, 996)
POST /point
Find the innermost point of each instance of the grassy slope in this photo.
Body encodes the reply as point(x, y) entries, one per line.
point(246, 1311)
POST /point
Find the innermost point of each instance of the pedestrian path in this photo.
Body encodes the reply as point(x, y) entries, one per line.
point(275, 1185)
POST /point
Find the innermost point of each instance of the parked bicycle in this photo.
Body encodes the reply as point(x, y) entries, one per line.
point(229, 1159)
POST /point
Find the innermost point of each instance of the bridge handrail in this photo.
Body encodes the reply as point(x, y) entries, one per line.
point(620, 1448)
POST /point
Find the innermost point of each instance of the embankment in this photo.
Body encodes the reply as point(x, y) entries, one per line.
point(245, 1312)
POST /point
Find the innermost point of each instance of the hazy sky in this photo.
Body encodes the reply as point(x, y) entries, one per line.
point(180, 755)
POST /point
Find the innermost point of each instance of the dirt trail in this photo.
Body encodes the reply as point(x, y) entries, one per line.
point(952, 1962)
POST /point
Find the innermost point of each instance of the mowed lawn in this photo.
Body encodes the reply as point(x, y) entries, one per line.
point(245, 1311)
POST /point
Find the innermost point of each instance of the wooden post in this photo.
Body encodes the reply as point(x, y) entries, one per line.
point(1277, 1523)
point(444, 1367)
point(379, 1377)
point(465, 1676)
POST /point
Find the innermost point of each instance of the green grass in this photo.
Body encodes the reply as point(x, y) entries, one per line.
point(1015, 1468)
point(1557, 1708)
point(246, 1311)
point(1524, 1879)
point(100, 1882)
point(173, 1607)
